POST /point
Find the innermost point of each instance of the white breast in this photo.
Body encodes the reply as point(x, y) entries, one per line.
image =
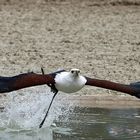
point(66, 83)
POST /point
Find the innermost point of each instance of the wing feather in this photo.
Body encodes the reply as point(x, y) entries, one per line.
point(128, 89)
point(8, 84)
point(135, 84)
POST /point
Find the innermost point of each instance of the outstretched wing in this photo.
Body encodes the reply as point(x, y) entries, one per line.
point(129, 89)
point(8, 84)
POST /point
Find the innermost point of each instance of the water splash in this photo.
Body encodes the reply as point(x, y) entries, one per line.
point(26, 111)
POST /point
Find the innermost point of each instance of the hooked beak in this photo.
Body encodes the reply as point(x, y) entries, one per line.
point(76, 73)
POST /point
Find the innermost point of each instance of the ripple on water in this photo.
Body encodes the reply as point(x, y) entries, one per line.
point(23, 114)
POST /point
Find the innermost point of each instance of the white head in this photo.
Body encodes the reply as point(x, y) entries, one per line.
point(75, 72)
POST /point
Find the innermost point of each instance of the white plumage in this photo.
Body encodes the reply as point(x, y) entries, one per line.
point(69, 82)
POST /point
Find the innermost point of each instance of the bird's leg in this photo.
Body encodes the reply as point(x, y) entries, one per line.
point(55, 91)
point(41, 124)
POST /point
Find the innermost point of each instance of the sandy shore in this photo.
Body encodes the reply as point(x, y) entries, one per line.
point(104, 101)
point(100, 38)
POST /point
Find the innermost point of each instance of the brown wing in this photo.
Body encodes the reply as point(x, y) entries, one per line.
point(129, 89)
point(8, 84)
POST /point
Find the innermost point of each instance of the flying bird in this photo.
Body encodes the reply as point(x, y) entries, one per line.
point(65, 81)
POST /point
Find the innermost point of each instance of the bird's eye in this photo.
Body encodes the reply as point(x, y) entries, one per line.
point(72, 71)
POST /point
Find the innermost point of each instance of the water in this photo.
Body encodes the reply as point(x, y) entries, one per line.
point(100, 124)
point(23, 114)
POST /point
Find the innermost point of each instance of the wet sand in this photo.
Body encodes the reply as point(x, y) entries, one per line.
point(102, 38)
point(104, 101)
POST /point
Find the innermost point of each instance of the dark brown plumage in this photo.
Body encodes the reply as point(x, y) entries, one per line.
point(8, 84)
point(132, 89)
point(65, 81)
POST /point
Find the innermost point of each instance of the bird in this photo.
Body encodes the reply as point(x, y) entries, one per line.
point(64, 81)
